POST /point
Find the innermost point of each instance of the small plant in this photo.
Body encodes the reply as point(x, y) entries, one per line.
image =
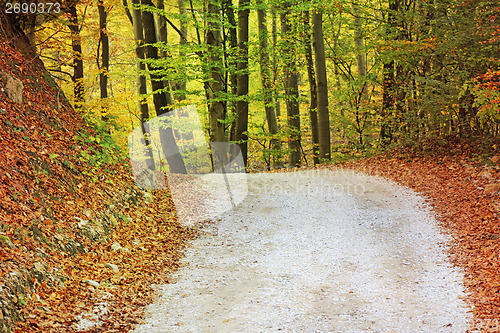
point(100, 149)
point(22, 300)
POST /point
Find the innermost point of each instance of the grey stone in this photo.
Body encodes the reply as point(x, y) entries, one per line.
point(13, 87)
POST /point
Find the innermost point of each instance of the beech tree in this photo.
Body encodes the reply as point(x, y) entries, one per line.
point(291, 85)
point(214, 84)
point(76, 44)
point(323, 113)
point(167, 139)
point(313, 87)
point(104, 64)
point(241, 134)
point(267, 84)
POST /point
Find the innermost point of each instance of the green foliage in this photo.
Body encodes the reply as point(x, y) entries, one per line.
point(98, 148)
point(444, 57)
point(4, 239)
point(22, 300)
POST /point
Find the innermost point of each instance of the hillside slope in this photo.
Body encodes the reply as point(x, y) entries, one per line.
point(69, 211)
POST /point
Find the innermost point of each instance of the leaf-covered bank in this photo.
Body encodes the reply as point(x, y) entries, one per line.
point(80, 244)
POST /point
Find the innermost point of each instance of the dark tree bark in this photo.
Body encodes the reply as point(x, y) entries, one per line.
point(179, 86)
point(275, 61)
point(141, 67)
point(214, 86)
point(76, 44)
point(242, 80)
point(313, 104)
point(104, 65)
point(141, 82)
point(267, 84)
point(230, 59)
point(167, 140)
point(291, 87)
point(360, 50)
point(162, 36)
point(388, 84)
point(387, 102)
point(323, 113)
point(230, 44)
point(127, 11)
point(151, 52)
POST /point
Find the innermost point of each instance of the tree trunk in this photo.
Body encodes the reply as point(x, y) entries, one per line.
point(76, 43)
point(291, 88)
point(242, 80)
point(214, 86)
point(275, 63)
point(167, 140)
point(267, 85)
point(180, 84)
point(338, 84)
point(151, 53)
point(230, 59)
point(141, 67)
point(323, 113)
point(388, 84)
point(127, 12)
point(387, 103)
point(104, 66)
point(141, 82)
point(360, 51)
point(313, 105)
point(162, 36)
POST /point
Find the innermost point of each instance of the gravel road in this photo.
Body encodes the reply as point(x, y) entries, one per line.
point(316, 251)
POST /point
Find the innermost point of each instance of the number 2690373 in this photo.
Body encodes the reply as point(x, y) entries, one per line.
point(32, 8)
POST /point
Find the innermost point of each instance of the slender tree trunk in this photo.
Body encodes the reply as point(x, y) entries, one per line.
point(141, 67)
point(151, 52)
point(323, 113)
point(214, 87)
point(162, 36)
point(267, 85)
point(242, 80)
point(167, 140)
point(426, 7)
point(230, 43)
point(400, 86)
point(466, 114)
point(388, 84)
point(313, 105)
point(127, 12)
point(104, 66)
point(360, 50)
point(291, 88)
point(141, 82)
point(230, 59)
point(76, 43)
point(338, 84)
point(387, 102)
point(180, 84)
point(275, 62)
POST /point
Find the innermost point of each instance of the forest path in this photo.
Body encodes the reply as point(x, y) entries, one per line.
point(316, 251)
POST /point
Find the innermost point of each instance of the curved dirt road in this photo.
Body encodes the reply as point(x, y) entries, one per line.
point(316, 251)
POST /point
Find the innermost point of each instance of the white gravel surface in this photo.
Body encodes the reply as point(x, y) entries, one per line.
point(316, 251)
